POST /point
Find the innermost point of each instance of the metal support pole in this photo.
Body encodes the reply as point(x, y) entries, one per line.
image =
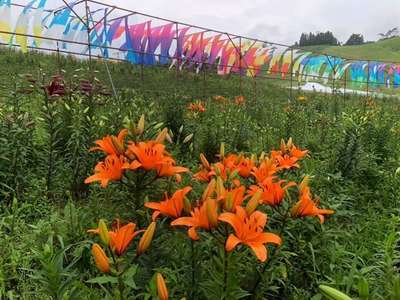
point(345, 86)
point(58, 58)
point(291, 73)
point(177, 58)
point(88, 35)
point(334, 76)
point(240, 65)
point(368, 77)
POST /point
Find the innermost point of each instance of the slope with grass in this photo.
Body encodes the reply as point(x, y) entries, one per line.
point(387, 50)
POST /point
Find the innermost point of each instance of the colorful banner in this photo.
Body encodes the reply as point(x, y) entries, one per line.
point(154, 42)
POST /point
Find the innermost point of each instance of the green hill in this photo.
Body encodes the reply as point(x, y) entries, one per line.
point(388, 50)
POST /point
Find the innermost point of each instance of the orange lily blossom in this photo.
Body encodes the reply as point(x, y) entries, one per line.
point(120, 237)
point(109, 170)
point(307, 207)
point(111, 144)
point(266, 169)
point(150, 155)
point(272, 192)
point(168, 169)
point(240, 163)
point(170, 207)
point(297, 152)
point(233, 198)
point(287, 162)
point(199, 219)
point(249, 230)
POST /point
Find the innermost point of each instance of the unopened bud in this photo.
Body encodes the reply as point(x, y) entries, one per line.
point(209, 190)
point(212, 214)
point(222, 151)
point(162, 290)
point(100, 258)
point(103, 233)
point(204, 161)
point(140, 126)
point(146, 239)
point(161, 136)
point(187, 206)
point(253, 202)
point(118, 145)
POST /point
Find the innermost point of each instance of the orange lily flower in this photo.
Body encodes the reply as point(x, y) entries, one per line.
point(170, 207)
point(149, 155)
point(266, 169)
point(233, 198)
point(197, 107)
point(199, 219)
point(111, 144)
point(168, 169)
point(240, 163)
point(298, 153)
point(287, 162)
point(272, 192)
point(109, 170)
point(239, 100)
point(307, 207)
point(203, 175)
point(220, 99)
point(249, 230)
point(120, 237)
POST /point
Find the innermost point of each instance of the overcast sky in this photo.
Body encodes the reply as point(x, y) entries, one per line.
point(278, 20)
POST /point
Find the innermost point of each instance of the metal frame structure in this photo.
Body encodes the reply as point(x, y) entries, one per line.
point(84, 11)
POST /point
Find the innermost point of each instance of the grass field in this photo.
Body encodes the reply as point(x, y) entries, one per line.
point(221, 131)
point(387, 50)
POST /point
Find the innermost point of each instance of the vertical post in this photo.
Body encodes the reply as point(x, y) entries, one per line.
point(334, 75)
point(345, 86)
point(291, 73)
point(88, 35)
point(367, 78)
point(240, 65)
point(58, 58)
point(177, 58)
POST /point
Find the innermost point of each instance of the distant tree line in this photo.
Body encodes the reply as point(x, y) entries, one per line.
point(318, 38)
point(328, 38)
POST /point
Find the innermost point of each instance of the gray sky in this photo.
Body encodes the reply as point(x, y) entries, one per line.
point(278, 20)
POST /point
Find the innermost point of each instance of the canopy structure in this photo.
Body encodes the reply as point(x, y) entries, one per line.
point(89, 28)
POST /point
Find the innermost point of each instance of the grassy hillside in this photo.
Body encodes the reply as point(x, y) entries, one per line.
point(382, 50)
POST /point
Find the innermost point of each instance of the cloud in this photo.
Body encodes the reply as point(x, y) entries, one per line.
point(278, 20)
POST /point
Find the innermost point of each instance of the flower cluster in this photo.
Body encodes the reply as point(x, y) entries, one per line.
point(122, 157)
point(198, 107)
point(236, 186)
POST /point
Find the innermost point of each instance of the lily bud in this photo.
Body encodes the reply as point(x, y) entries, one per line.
point(118, 145)
point(295, 211)
point(162, 290)
point(103, 233)
point(283, 146)
point(187, 206)
point(146, 239)
point(222, 151)
point(220, 188)
point(161, 136)
point(204, 161)
point(289, 144)
point(140, 126)
point(100, 258)
point(212, 215)
point(253, 202)
point(304, 183)
point(209, 190)
point(229, 201)
point(188, 138)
